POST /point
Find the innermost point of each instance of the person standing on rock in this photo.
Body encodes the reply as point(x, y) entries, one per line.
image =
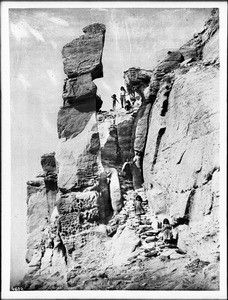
point(114, 100)
point(122, 96)
point(139, 210)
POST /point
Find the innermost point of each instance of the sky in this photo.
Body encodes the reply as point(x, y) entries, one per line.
point(134, 38)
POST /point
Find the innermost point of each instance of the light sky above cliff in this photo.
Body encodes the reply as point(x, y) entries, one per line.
point(134, 38)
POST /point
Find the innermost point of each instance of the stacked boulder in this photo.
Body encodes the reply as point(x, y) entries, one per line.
point(82, 182)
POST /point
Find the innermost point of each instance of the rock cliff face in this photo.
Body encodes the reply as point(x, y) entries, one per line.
point(84, 229)
point(181, 147)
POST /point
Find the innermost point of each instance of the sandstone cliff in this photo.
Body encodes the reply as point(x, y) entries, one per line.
point(181, 151)
point(83, 229)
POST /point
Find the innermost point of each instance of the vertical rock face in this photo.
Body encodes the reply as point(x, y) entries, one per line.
point(40, 205)
point(78, 152)
point(177, 131)
point(182, 152)
point(78, 159)
point(60, 207)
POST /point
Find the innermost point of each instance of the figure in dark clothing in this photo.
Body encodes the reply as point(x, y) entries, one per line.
point(138, 206)
point(128, 105)
point(114, 100)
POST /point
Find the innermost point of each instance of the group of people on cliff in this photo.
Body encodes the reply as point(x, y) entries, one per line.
point(125, 103)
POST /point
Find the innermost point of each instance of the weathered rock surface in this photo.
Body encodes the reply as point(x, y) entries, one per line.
point(123, 245)
point(124, 123)
point(110, 152)
point(55, 221)
point(40, 205)
point(181, 162)
point(79, 88)
point(116, 131)
point(72, 120)
point(83, 55)
point(123, 262)
point(48, 162)
point(78, 155)
point(179, 141)
point(78, 159)
point(182, 146)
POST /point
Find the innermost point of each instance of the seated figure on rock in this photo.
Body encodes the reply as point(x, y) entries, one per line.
point(166, 232)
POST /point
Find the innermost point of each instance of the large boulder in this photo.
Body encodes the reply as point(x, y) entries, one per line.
point(48, 162)
point(124, 244)
point(79, 88)
point(83, 55)
point(137, 79)
point(73, 120)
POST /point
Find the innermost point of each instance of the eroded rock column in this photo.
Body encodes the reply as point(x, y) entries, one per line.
point(78, 152)
point(41, 199)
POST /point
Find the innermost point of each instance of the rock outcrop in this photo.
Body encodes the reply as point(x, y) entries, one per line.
point(41, 202)
point(83, 226)
point(181, 133)
point(83, 55)
point(83, 198)
point(79, 146)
